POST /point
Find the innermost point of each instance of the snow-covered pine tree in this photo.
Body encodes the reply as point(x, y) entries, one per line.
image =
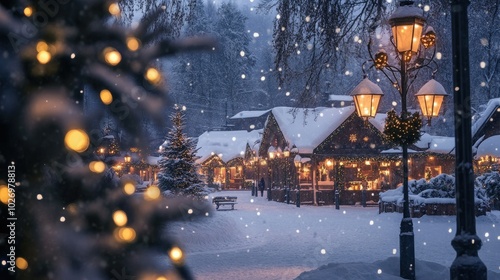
point(178, 168)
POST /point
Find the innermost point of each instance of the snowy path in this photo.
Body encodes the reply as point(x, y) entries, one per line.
point(270, 240)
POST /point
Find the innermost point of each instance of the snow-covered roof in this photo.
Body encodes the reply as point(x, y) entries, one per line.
point(151, 160)
point(249, 114)
point(378, 121)
point(493, 104)
point(336, 97)
point(309, 127)
point(227, 145)
point(489, 147)
point(397, 151)
point(442, 145)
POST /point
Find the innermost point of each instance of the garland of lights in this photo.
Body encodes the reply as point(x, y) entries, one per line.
point(399, 131)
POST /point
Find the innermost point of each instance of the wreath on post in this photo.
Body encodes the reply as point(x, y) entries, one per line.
point(399, 131)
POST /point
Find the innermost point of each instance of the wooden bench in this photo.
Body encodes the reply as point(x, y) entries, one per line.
point(224, 200)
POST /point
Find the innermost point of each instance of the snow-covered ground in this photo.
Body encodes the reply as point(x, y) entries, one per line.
point(263, 239)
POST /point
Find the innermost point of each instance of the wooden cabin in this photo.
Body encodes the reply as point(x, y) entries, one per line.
point(486, 138)
point(337, 150)
point(221, 156)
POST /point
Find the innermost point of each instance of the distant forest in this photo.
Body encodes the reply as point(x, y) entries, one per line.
point(296, 53)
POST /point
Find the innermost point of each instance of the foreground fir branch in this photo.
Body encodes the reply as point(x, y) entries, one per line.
point(74, 220)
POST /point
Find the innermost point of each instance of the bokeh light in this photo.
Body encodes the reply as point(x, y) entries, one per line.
point(114, 9)
point(133, 44)
point(4, 194)
point(21, 263)
point(152, 193)
point(129, 188)
point(77, 140)
point(176, 255)
point(153, 75)
point(112, 56)
point(106, 96)
point(120, 218)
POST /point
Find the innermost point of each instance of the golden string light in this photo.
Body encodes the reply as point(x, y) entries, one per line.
point(380, 60)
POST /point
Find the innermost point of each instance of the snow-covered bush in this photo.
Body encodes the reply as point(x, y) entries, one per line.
point(442, 185)
point(439, 190)
point(489, 184)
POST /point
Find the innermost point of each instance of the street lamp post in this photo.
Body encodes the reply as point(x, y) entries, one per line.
point(286, 155)
point(127, 159)
point(272, 154)
point(407, 24)
point(467, 264)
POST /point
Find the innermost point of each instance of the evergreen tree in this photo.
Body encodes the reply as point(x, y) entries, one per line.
point(178, 169)
point(74, 218)
point(215, 84)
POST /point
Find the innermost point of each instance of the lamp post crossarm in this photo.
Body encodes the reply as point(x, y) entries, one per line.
point(421, 62)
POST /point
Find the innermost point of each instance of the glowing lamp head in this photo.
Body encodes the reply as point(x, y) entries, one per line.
point(431, 97)
point(271, 152)
point(367, 97)
point(286, 152)
point(407, 23)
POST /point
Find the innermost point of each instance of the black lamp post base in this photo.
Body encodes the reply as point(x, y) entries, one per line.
point(467, 265)
point(407, 250)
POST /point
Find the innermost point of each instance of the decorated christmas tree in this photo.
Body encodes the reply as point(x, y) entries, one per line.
point(73, 218)
point(178, 168)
